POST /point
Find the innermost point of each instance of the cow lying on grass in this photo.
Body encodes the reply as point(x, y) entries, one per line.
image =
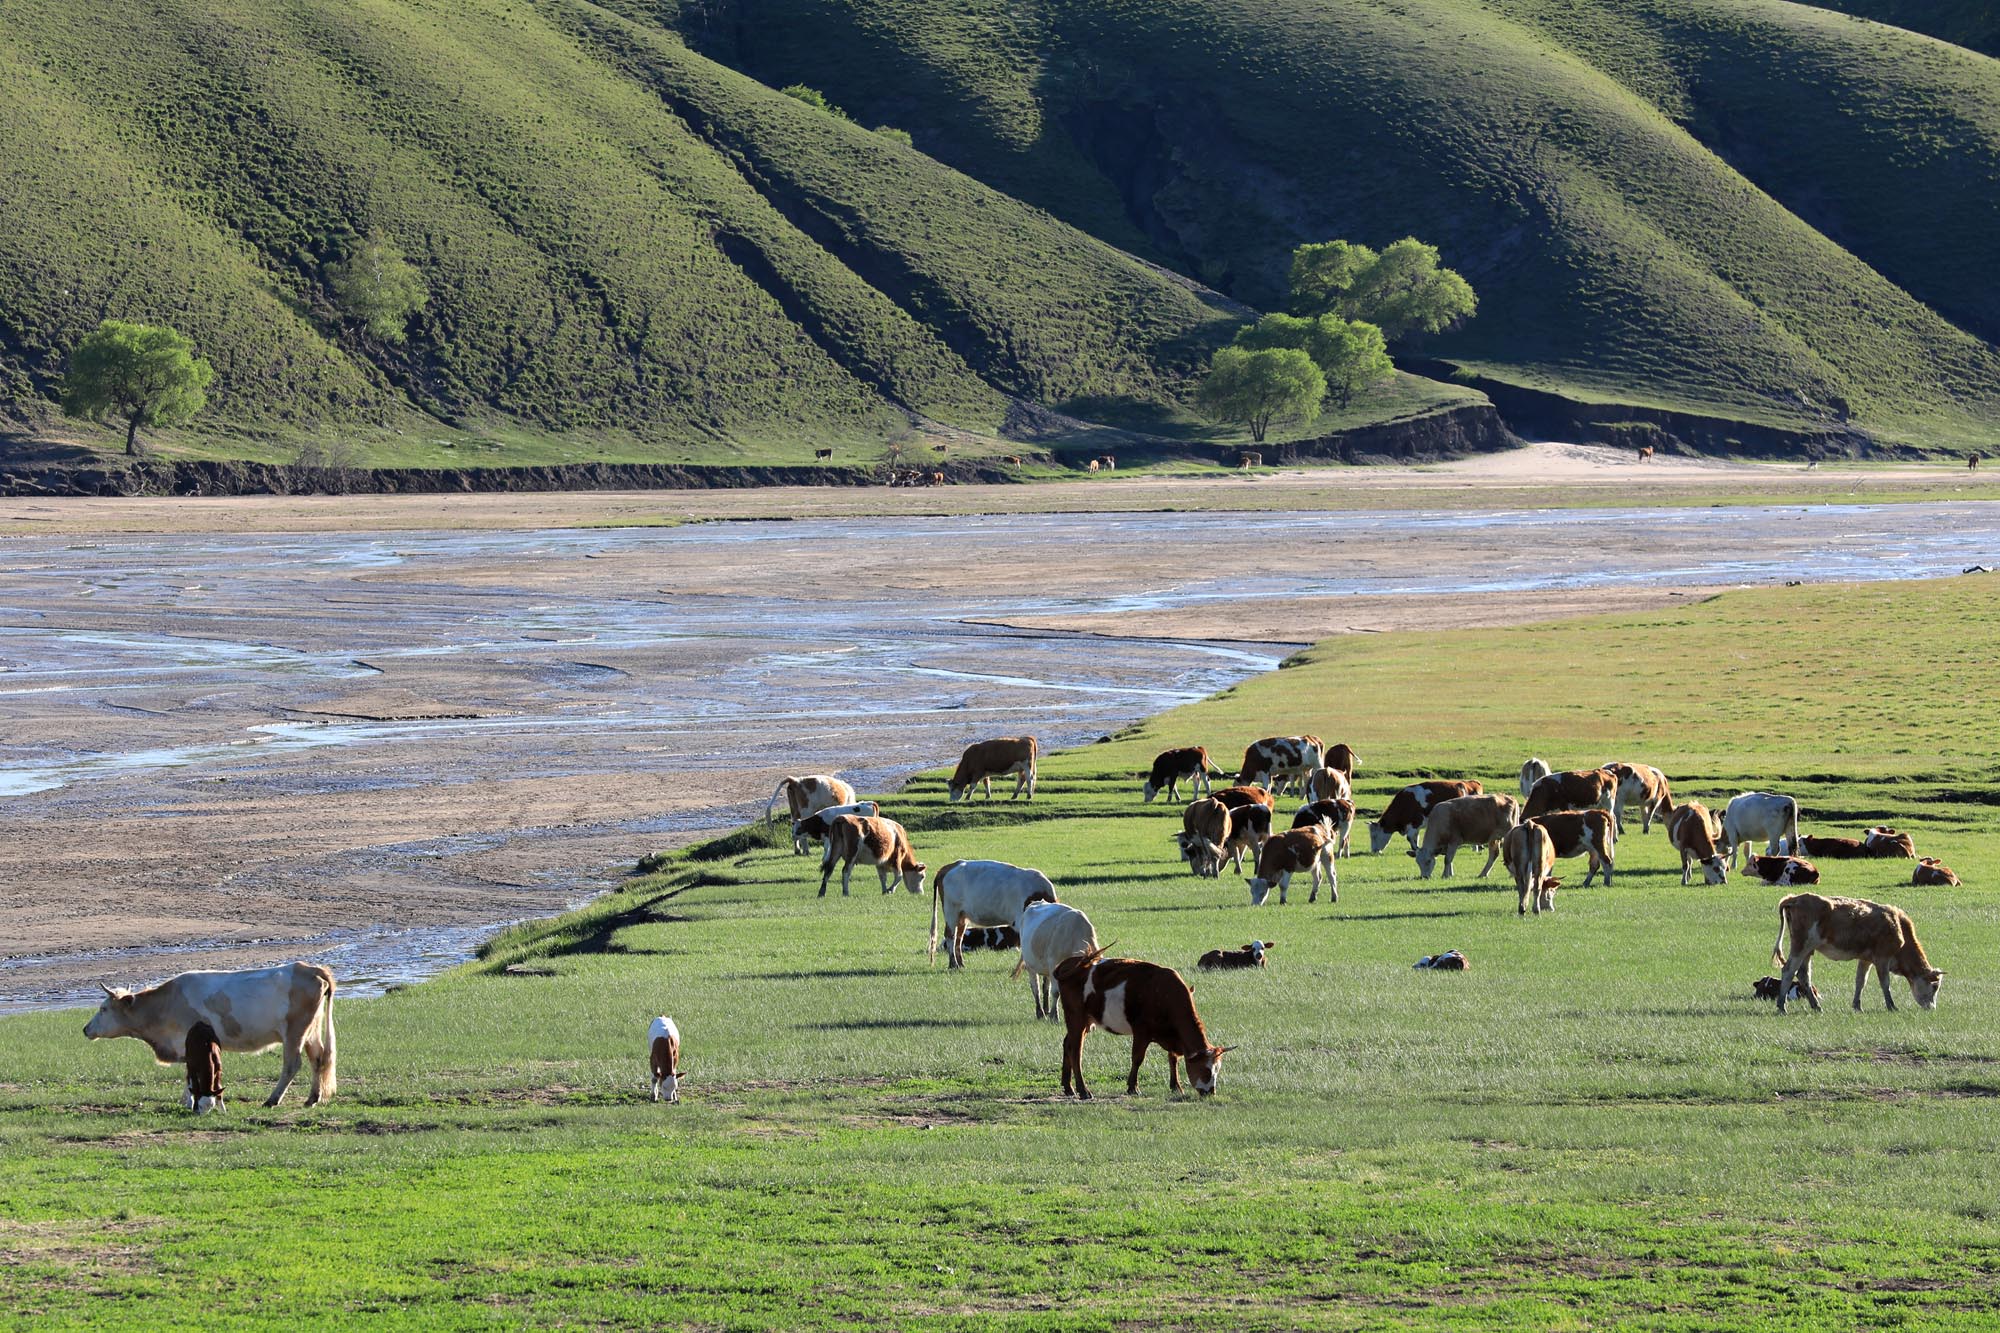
point(1930, 870)
point(1250, 955)
point(1875, 934)
point(1785, 871)
point(1888, 842)
point(1136, 999)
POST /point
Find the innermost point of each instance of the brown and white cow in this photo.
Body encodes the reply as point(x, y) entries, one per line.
point(1786, 871)
point(1337, 816)
point(1466, 821)
point(1582, 789)
point(1250, 955)
point(1173, 767)
point(1286, 854)
point(1238, 797)
point(1932, 871)
point(1136, 999)
point(874, 841)
point(1882, 841)
point(1590, 833)
point(812, 828)
point(1643, 788)
point(251, 1011)
point(663, 1047)
point(1530, 855)
point(1409, 808)
point(1692, 831)
point(984, 761)
point(1833, 849)
point(809, 795)
point(1276, 760)
point(1875, 934)
point(1204, 837)
point(204, 1070)
point(1328, 783)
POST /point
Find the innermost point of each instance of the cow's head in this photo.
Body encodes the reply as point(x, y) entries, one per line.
point(1257, 948)
point(113, 1018)
point(1925, 987)
point(1715, 870)
point(1378, 837)
point(1150, 790)
point(1425, 860)
point(913, 879)
point(954, 792)
point(1203, 857)
point(1201, 1068)
point(1260, 889)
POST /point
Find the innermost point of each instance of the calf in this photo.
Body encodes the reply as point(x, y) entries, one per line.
point(1173, 767)
point(1276, 760)
point(1409, 808)
point(984, 761)
point(809, 794)
point(1328, 783)
point(1250, 955)
point(1760, 814)
point(250, 1011)
point(1691, 831)
point(1051, 935)
point(1337, 816)
point(1641, 787)
point(1466, 821)
point(1782, 870)
point(1930, 870)
point(981, 893)
point(1532, 772)
point(1887, 842)
point(1875, 934)
point(990, 937)
point(1832, 849)
point(1770, 988)
point(812, 828)
point(1583, 789)
point(1286, 854)
point(204, 1070)
point(1589, 833)
point(881, 843)
point(1143, 1001)
point(1531, 855)
point(663, 1040)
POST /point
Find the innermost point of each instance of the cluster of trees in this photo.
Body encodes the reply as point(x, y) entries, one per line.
point(1349, 303)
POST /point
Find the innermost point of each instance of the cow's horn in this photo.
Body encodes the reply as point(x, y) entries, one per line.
point(106, 989)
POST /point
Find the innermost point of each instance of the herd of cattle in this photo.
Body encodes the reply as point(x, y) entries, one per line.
point(994, 904)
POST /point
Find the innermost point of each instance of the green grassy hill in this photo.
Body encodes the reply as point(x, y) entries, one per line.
point(1738, 206)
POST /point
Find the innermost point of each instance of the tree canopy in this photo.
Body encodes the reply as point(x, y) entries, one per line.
point(1351, 354)
point(1258, 387)
point(142, 373)
point(377, 286)
point(1401, 290)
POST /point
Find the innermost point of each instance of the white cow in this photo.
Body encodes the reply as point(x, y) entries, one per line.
point(254, 1010)
point(1532, 772)
point(1760, 814)
point(1051, 933)
point(981, 893)
point(812, 828)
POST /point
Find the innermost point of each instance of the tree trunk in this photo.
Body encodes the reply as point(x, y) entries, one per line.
point(132, 437)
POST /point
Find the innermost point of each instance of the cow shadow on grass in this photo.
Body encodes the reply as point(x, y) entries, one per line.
point(819, 974)
point(891, 1024)
point(1396, 916)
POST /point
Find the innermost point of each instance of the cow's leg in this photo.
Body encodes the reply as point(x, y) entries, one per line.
point(846, 877)
point(1450, 851)
point(955, 944)
point(1139, 1045)
point(1492, 855)
point(1073, 1062)
point(882, 872)
point(293, 1042)
point(1861, 982)
point(1888, 998)
point(1687, 869)
point(1174, 1071)
point(826, 866)
point(1610, 865)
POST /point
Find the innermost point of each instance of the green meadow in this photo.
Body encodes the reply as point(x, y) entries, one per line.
point(1596, 1126)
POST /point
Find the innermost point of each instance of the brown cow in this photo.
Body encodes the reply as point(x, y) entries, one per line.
point(1136, 999)
point(663, 1047)
point(1286, 854)
point(1589, 833)
point(1092, 466)
point(879, 842)
point(1875, 934)
point(1329, 784)
point(1337, 817)
point(1173, 767)
point(1882, 841)
point(250, 1010)
point(1785, 871)
point(1583, 789)
point(984, 761)
point(1409, 807)
point(1466, 821)
point(1342, 757)
point(1692, 831)
point(1930, 870)
point(1238, 797)
point(1205, 836)
point(1249, 830)
point(1645, 453)
point(204, 1070)
point(937, 479)
point(1011, 460)
point(1833, 849)
point(1531, 855)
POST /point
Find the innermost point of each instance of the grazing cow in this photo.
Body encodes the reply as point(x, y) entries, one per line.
point(990, 937)
point(1341, 755)
point(1143, 1001)
point(1409, 808)
point(1760, 814)
point(1532, 772)
point(981, 893)
point(1275, 759)
point(1784, 870)
point(937, 479)
point(1011, 460)
point(1092, 466)
point(984, 761)
point(1645, 453)
point(822, 453)
point(878, 842)
point(1329, 784)
point(1204, 837)
point(1832, 849)
point(1286, 854)
point(1110, 462)
point(812, 829)
point(1582, 789)
point(1051, 935)
point(1930, 870)
point(1250, 955)
point(1882, 841)
point(250, 1011)
point(809, 795)
point(1691, 831)
point(1236, 798)
point(1247, 461)
point(1584, 833)
point(1337, 817)
point(1531, 855)
point(663, 1041)
point(204, 1070)
point(1875, 934)
point(1464, 821)
point(1173, 767)
point(1643, 787)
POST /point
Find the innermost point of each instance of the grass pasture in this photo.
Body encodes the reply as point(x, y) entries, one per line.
point(1594, 1127)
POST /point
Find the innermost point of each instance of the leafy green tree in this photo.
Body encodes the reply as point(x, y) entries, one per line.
point(379, 287)
point(1260, 387)
point(813, 97)
point(144, 374)
point(1352, 354)
point(1402, 290)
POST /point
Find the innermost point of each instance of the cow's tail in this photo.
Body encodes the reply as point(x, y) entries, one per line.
point(772, 803)
point(1792, 832)
point(1778, 948)
point(328, 1079)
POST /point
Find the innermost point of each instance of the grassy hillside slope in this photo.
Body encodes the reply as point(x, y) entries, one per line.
point(1749, 207)
point(1594, 1127)
point(1974, 24)
point(618, 235)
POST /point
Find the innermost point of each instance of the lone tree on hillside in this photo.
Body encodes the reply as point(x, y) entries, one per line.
point(1259, 387)
point(379, 287)
point(1402, 290)
point(1351, 354)
point(147, 375)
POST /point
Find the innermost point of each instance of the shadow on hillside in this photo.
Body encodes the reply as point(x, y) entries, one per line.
point(600, 939)
point(21, 447)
